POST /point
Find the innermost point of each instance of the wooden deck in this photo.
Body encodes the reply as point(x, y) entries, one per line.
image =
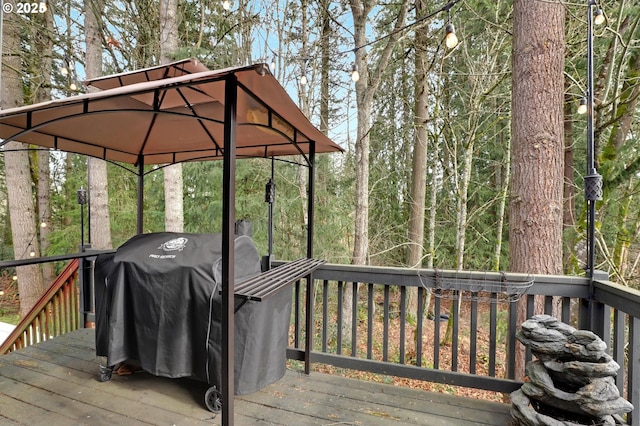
point(57, 383)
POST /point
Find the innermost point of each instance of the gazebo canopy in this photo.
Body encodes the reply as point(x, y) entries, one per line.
point(169, 114)
point(182, 112)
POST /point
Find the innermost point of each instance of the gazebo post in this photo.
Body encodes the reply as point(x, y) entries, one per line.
point(140, 220)
point(308, 344)
point(228, 247)
point(270, 198)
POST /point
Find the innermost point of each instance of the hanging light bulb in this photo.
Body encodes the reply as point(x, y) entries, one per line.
point(1, 293)
point(15, 277)
point(64, 70)
point(582, 108)
point(303, 79)
point(43, 224)
point(355, 75)
point(450, 40)
point(263, 69)
point(226, 5)
point(73, 86)
point(599, 17)
point(273, 64)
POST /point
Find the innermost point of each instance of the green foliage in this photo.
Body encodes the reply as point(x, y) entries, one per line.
point(469, 111)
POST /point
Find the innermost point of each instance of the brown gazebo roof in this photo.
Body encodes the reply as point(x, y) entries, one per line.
point(172, 119)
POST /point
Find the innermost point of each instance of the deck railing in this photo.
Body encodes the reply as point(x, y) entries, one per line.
point(382, 337)
point(56, 313)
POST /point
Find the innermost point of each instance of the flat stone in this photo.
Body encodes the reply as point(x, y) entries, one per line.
point(545, 336)
point(524, 414)
point(580, 373)
point(571, 381)
point(598, 398)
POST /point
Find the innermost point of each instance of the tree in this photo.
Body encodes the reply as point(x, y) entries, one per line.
point(536, 205)
point(173, 188)
point(100, 231)
point(366, 88)
point(17, 171)
point(417, 196)
point(40, 72)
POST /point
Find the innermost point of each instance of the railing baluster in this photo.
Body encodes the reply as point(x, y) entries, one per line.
point(456, 322)
point(617, 349)
point(370, 313)
point(548, 305)
point(511, 352)
point(67, 317)
point(58, 319)
point(403, 323)
point(75, 301)
point(531, 304)
point(296, 316)
point(419, 325)
point(42, 332)
point(633, 371)
point(473, 333)
point(385, 337)
point(340, 319)
point(493, 333)
point(354, 319)
point(325, 314)
point(566, 310)
point(436, 333)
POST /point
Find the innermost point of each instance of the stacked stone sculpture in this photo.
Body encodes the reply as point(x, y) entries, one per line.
point(572, 380)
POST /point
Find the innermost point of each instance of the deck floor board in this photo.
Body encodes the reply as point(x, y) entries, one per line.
point(57, 383)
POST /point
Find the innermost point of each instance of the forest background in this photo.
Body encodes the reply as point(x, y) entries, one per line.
point(429, 133)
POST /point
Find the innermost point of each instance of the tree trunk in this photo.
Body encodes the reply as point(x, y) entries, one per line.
point(44, 209)
point(100, 225)
point(44, 49)
point(461, 226)
point(17, 172)
point(173, 190)
point(419, 161)
point(569, 194)
point(366, 87)
point(504, 195)
point(535, 234)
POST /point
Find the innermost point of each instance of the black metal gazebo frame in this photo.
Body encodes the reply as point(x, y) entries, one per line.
point(147, 111)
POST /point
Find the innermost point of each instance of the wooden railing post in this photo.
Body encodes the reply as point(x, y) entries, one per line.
point(599, 313)
point(87, 311)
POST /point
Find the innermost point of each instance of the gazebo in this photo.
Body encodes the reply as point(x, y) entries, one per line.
point(176, 113)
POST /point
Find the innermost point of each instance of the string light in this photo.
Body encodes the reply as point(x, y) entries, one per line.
point(226, 5)
point(355, 75)
point(14, 278)
point(273, 64)
point(450, 40)
point(582, 108)
point(65, 70)
point(73, 86)
point(598, 17)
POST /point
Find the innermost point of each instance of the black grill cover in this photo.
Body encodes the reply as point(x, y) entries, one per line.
point(158, 302)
